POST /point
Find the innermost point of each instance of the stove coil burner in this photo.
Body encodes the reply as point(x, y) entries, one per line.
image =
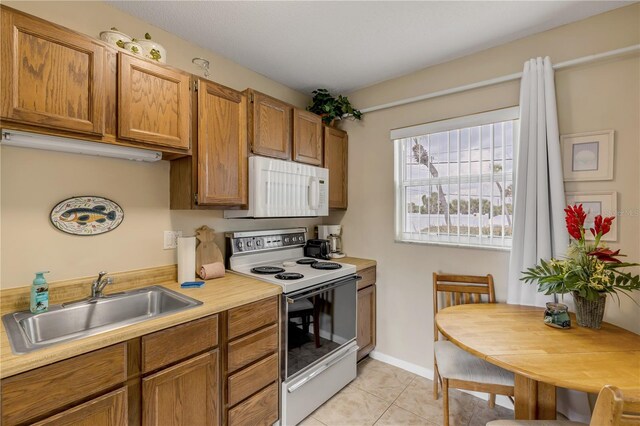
point(306, 261)
point(289, 276)
point(326, 265)
point(267, 270)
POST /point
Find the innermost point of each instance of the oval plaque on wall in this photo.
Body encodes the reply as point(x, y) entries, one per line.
point(87, 215)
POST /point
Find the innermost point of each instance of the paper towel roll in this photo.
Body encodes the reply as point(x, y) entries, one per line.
point(212, 270)
point(186, 259)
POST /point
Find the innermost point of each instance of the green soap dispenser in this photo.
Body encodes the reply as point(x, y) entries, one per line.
point(40, 293)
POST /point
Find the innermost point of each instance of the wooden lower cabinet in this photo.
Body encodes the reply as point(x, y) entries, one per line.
point(366, 329)
point(43, 391)
point(185, 394)
point(251, 364)
point(106, 410)
point(259, 410)
point(189, 374)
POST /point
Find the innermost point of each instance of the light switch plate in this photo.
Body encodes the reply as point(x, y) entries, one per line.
point(171, 239)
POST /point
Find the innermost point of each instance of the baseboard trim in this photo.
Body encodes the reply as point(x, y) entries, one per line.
point(428, 373)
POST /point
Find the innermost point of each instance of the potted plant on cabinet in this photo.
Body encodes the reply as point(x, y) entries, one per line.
point(332, 108)
point(590, 270)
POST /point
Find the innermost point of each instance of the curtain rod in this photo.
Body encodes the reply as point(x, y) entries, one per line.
point(504, 78)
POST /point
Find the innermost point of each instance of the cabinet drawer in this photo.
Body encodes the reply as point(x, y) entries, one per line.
point(368, 277)
point(106, 410)
point(37, 392)
point(260, 409)
point(252, 347)
point(250, 317)
point(176, 343)
point(251, 379)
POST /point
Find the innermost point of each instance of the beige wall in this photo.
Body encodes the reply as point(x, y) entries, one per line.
point(32, 182)
point(603, 95)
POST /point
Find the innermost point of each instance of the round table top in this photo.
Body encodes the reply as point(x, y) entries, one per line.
point(515, 338)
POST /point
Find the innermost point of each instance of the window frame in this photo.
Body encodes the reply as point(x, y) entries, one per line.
point(473, 120)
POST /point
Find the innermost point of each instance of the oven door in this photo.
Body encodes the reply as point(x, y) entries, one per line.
point(318, 321)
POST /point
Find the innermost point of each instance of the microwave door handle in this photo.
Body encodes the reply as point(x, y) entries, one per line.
point(314, 194)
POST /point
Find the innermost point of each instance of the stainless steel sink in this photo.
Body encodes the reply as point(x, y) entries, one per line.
point(28, 332)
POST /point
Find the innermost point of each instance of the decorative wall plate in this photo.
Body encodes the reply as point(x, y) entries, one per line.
point(86, 215)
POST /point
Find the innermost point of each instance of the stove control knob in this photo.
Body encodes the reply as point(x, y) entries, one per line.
point(240, 245)
point(259, 243)
point(286, 240)
point(301, 238)
point(249, 244)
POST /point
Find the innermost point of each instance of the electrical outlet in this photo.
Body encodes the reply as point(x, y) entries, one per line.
point(171, 239)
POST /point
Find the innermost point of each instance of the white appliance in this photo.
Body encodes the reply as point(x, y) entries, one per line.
point(318, 315)
point(284, 189)
point(332, 233)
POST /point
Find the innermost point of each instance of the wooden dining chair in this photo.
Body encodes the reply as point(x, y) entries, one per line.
point(453, 366)
point(608, 411)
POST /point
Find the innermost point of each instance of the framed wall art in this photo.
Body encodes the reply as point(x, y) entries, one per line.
point(86, 215)
point(595, 203)
point(588, 156)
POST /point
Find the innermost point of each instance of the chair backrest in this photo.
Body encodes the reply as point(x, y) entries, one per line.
point(461, 289)
point(608, 408)
point(630, 413)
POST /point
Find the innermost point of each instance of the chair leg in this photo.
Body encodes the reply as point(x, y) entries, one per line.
point(436, 379)
point(445, 400)
point(492, 400)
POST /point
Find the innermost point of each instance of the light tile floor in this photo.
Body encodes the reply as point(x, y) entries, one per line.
point(386, 395)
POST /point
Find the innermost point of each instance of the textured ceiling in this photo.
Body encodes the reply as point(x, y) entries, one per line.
point(344, 46)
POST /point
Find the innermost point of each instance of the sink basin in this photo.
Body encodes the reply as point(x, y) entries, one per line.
point(28, 332)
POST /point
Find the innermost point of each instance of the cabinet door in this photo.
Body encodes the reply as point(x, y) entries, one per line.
point(106, 410)
point(366, 331)
point(51, 77)
point(222, 145)
point(153, 103)
point(185, 394)
point(307, 137)
point(336, 144)
point(270, 126)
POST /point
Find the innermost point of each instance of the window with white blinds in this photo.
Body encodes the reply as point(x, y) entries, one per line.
point(454, 180)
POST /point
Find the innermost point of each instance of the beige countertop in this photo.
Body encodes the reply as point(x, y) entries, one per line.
point(217, 295)
point(360, 263)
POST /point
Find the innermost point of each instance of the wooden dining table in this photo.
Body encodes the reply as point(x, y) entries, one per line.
point(542, 358)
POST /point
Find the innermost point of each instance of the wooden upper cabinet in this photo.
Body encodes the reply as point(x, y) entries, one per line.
point(222, 145)
point(51, 77)
point(336, 143)
point(269, 126)
point(153, 103)
point(307, 137)
point(185, 394)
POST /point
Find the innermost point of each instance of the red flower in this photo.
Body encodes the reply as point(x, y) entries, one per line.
point(606, 255)
point(575, 217)
point(602, 225)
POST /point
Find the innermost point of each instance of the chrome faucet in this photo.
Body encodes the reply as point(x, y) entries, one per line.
point(98, 285)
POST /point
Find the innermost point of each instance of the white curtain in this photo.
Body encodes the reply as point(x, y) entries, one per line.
point(538, 218)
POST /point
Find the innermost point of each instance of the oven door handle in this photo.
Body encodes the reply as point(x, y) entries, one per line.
point(320, 370)
point(291, 299)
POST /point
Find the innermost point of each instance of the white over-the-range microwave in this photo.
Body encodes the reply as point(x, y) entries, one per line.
point(284, 189)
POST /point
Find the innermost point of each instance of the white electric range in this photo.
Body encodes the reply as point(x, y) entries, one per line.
point(318, 315)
